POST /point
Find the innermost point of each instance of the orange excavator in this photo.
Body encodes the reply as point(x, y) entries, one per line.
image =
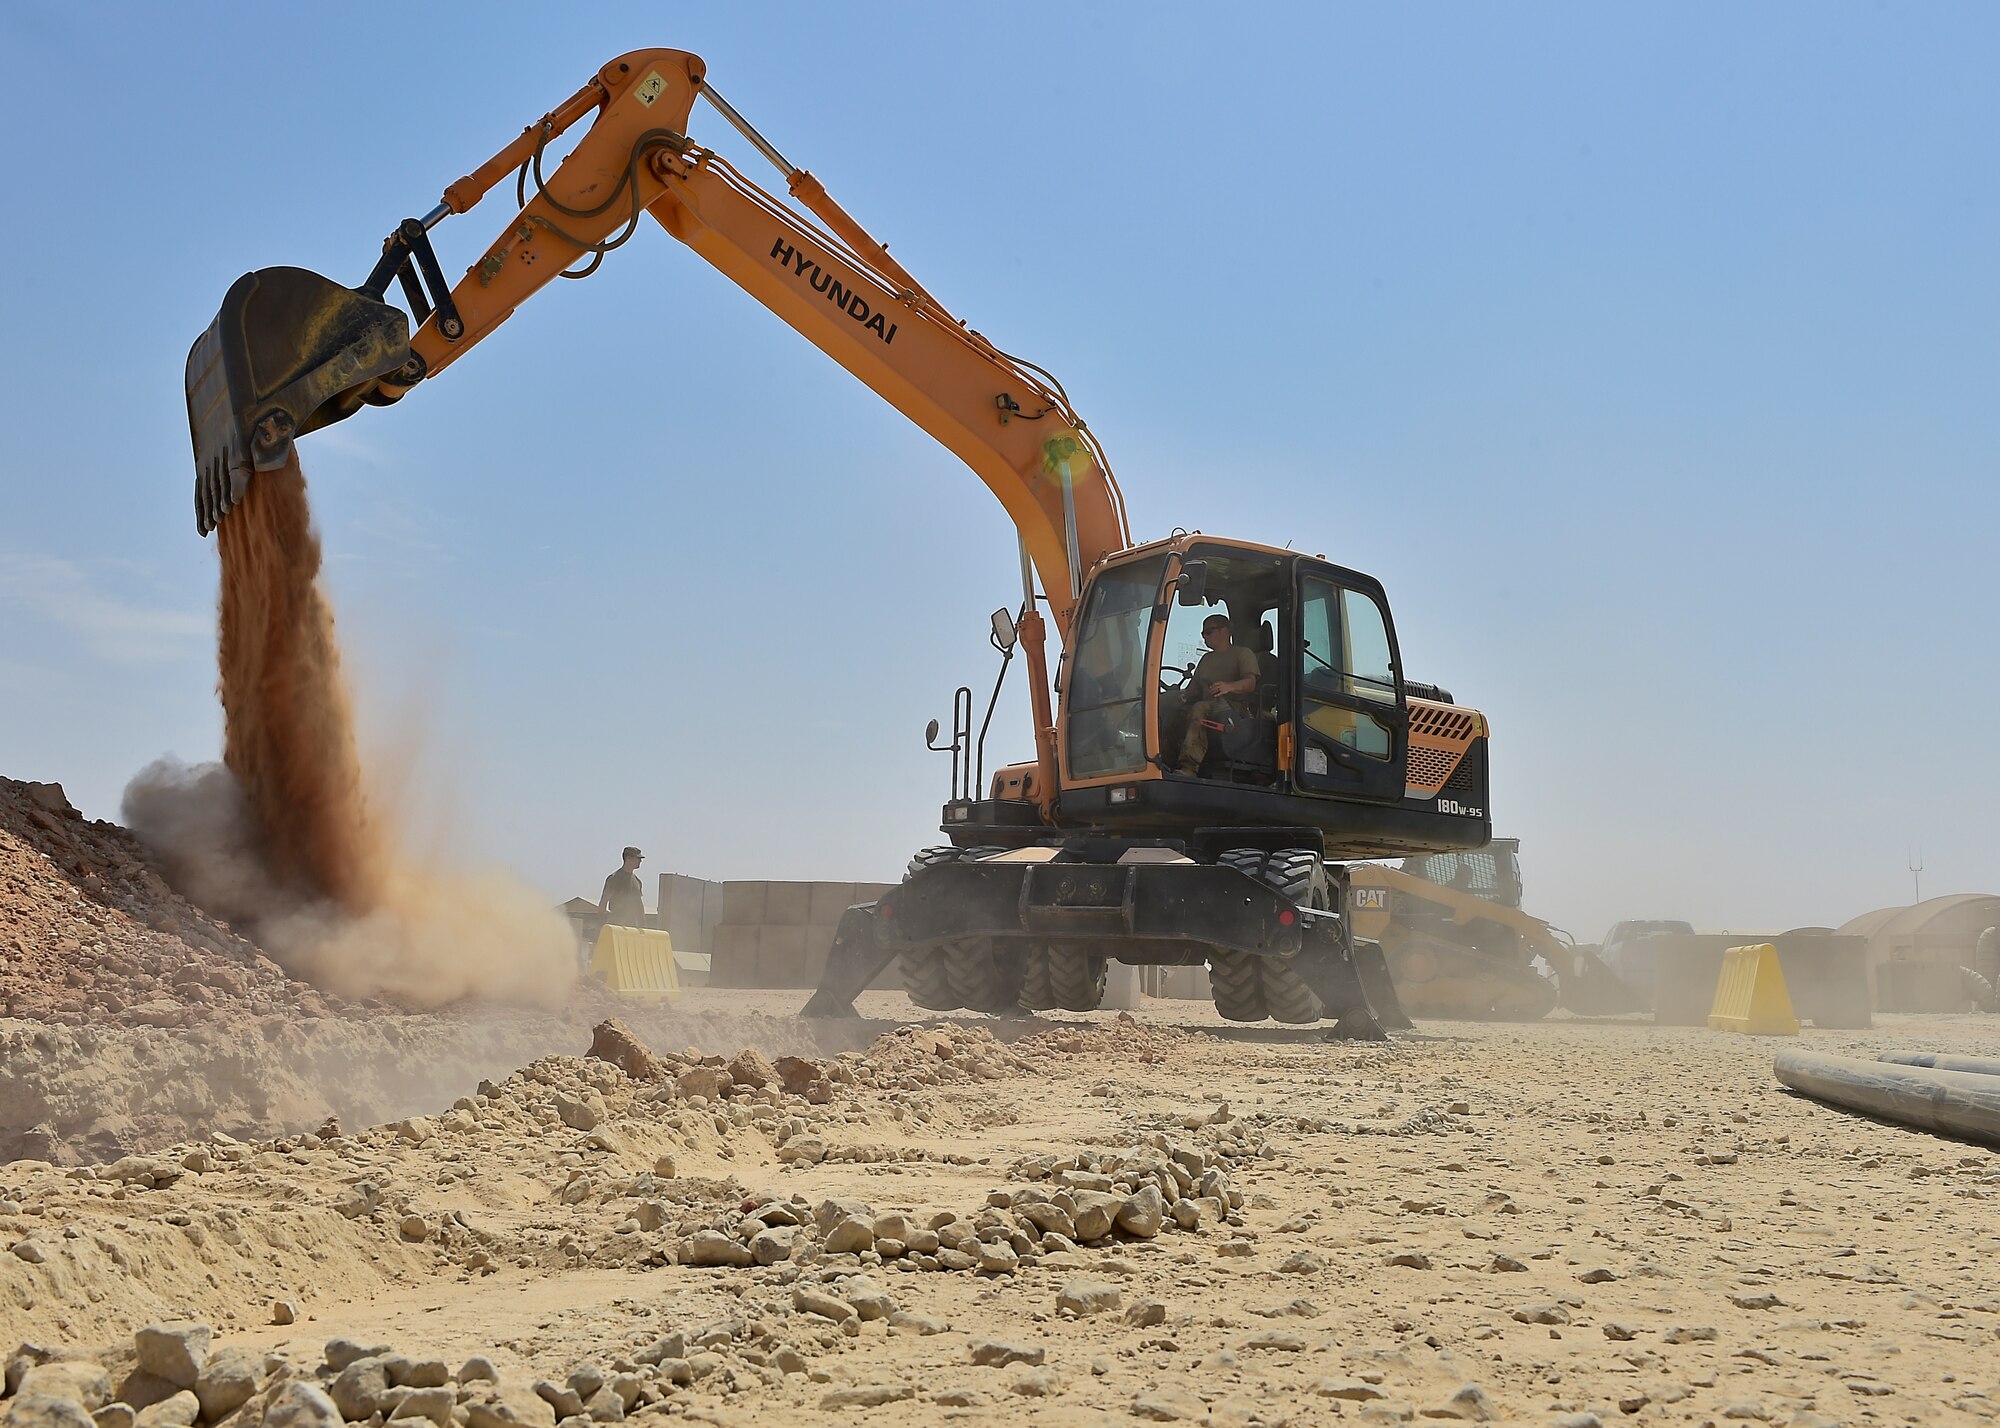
point(1129, 836)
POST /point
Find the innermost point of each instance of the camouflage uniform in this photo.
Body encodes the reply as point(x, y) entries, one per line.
point(1224, 666)
point(624, 902)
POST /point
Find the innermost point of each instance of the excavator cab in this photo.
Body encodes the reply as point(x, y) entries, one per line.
point(1334, 738)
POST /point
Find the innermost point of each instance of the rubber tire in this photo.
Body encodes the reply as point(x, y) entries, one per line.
point(1038, 992)
point(931, 857)
point(1055, 979)
point(1299, 876)
point(980, 979)
point(1236, 985)
point(1079, 980)
point(927, 979)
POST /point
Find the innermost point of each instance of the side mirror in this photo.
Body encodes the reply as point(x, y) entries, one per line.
point(1004, 633)
point(1193, 582)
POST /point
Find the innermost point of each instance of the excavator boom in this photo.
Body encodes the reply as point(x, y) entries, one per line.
point(291, 351)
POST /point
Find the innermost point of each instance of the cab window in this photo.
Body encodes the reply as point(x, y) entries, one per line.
point(1104, 691)
point(1346, 667)
point(1366, 667)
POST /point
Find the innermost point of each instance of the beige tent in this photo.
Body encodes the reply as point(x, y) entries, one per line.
point(1914, 952)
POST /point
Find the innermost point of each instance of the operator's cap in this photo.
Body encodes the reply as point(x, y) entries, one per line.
point(634, 853)
point(1218, 618)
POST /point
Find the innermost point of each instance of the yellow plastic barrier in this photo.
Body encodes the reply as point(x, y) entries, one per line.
point(1750, 994)
point(636, 961)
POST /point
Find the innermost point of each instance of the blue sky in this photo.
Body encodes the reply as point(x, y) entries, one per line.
point(1648, 354)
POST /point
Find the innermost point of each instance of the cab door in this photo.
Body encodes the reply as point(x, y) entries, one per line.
point(1353, 722)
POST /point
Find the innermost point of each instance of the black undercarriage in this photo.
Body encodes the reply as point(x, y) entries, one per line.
point(1096, 898)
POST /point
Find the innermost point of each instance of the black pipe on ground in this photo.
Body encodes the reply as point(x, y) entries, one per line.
point(1938, 1061)
point(1963, 1104)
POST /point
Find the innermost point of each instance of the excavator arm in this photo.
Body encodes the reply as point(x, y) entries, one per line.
point(292, 351)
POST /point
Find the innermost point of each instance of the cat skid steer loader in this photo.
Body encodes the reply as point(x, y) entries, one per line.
point(1457, 943)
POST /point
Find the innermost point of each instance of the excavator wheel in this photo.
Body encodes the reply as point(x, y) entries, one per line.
point(1065, 979)
point(1289, 999)
point(931, 857)
point(1237, 985)
point(1079, 980)
point(926, 972)
point(925, 980)
point(1301, 877)
point(981, 979)
point(1038, 993)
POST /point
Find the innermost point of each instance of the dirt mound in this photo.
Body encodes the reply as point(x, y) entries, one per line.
point(915, 1056)
point(90, 934)
point(167, 1023)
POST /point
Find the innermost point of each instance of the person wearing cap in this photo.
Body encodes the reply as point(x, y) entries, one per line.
point(624, 902)
point(1221, 685)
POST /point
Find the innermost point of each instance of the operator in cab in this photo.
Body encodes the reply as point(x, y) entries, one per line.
point(1223, 683)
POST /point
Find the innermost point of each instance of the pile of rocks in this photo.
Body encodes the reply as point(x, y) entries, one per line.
point(1068, 1205)
point(911, 1058)
point(1124, 1038)
point(91, 934)
point(906, 1059)
point(1093, 1198)
point(173, 1378)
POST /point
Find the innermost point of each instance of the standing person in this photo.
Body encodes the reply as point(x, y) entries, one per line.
point(624, 903)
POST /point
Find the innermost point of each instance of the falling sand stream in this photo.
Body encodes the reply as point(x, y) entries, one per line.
point(283, 840)
point(289, 725)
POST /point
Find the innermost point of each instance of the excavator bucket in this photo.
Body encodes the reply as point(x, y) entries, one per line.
point(290, 352)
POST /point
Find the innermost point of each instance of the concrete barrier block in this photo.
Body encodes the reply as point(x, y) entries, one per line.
point(1184, 983)
point(781, 956)
point(1121, 987)
point(829, 901)
point(788, 904)
point(743, 903)
point(733, 956)
point(819, 942)
point(684, 903)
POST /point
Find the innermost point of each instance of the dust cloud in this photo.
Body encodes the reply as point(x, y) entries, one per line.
point(282, 839)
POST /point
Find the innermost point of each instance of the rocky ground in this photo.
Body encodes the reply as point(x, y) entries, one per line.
point(90, 933)
point(130, 1018)
point(1103, 1219)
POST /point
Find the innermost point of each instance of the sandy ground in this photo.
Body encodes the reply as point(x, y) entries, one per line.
point(1510, 1223)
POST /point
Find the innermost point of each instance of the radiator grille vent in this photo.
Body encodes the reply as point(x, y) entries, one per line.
point(1430, 767)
